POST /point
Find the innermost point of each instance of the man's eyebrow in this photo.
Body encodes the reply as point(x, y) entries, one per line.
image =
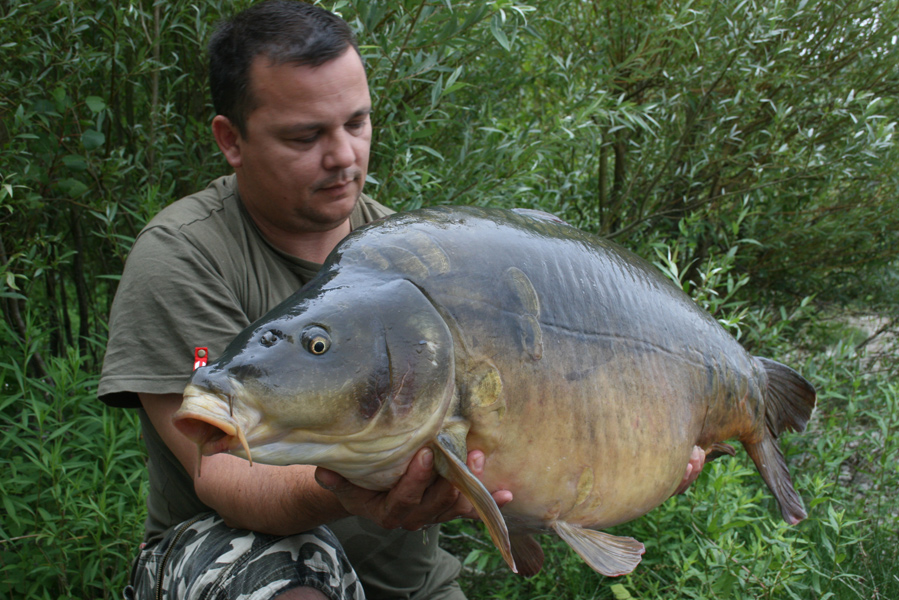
point(298, 128)
point(362, 112)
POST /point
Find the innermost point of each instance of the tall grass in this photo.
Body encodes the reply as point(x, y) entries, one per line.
point(73, 483)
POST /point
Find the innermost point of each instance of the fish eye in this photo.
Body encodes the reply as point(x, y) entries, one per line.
point(318, 345)
point(316, 340)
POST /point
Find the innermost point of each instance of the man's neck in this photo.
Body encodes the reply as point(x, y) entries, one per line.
point(314, 246)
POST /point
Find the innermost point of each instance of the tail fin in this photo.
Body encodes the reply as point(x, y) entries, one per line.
point(789, 403)
point(790, 400)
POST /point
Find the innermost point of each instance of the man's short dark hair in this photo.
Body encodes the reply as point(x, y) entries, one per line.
point(285, 31)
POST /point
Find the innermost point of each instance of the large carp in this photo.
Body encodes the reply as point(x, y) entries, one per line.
point(583, 374)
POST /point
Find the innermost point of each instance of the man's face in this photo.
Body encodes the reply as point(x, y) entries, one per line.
point(303, 161)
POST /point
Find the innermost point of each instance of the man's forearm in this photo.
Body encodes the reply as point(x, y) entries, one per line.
point(265, 498)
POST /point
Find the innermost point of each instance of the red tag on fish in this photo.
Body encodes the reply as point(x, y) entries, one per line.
point(201, 356)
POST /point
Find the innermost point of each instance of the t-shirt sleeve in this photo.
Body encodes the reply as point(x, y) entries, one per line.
point(173, 297)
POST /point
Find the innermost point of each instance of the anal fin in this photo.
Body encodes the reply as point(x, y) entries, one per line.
point(527, 553)
point(456, 472)
point(606, 554)
point(717, 450)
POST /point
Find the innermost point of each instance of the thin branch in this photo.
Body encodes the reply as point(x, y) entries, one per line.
point(15, 315)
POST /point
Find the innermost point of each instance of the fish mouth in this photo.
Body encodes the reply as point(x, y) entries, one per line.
point(213, 432)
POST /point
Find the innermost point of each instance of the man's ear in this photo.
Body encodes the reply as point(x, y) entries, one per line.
point(227, 136)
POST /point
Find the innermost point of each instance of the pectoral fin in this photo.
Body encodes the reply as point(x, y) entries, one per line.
point(451, 467)
point(524, 300)
point(607, 554)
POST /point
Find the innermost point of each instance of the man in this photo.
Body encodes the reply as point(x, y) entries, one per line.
point(293, 122)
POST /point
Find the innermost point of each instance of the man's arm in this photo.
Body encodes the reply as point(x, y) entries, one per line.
point(287, 500)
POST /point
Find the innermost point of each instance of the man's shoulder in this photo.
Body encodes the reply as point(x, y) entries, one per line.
point(199, 207)
point(208, 222)
point(368, 210)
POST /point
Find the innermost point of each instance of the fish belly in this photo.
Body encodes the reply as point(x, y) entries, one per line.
point(597, 451)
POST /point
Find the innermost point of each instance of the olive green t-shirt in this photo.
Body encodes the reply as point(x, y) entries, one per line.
point(198, 274)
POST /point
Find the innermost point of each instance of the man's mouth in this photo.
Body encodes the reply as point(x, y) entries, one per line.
point(338, 185)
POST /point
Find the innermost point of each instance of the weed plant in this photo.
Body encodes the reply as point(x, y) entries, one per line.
point(73, 484)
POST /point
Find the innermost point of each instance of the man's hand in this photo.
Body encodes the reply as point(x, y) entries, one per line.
point(419, 499)
point(694, 468)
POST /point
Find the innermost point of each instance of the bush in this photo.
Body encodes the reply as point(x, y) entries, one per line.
point(74, 483)
point(747, 148)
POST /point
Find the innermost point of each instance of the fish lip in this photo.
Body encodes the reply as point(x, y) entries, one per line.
point(213, 431)
point(211, 434)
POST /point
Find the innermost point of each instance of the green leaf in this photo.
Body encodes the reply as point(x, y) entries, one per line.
point(620, 592)
point(92, 139)
point(10, 508)
point(72, 187)
point(95, 103)
point(499, 34)
point(75, 162)
point(61, 98)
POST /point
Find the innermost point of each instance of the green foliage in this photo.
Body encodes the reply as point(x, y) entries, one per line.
point(74, 482)
point(100, 112)
point(746, 147)
point(778, 119)
point(428, 63)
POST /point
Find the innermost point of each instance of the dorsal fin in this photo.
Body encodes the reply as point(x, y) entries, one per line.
point(539, 214)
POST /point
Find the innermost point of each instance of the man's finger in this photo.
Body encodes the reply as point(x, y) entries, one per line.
point(694, 468)
point(402, 505)
point(328, 479)
point(418, 476)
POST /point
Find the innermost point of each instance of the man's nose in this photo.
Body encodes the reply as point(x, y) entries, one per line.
point(340, 153)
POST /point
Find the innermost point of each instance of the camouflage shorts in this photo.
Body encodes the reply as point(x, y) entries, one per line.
point(205, 559)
